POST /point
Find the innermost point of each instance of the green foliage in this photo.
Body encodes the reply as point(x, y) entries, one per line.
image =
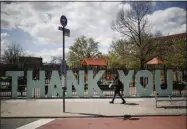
point(123, 52)
point(113, 60)
point(130, 54)
point(82, 48)
point(175, 58)
point(133, 24)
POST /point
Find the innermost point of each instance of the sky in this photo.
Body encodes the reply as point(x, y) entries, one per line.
point(34, 25)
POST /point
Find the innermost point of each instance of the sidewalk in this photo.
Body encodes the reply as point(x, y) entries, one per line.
point(88, 107)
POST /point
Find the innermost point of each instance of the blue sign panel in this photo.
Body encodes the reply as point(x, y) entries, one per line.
point(63, 67)
point(63, 20)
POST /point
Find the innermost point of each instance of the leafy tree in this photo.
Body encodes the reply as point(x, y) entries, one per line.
point(133, 24)
point(113, 60)
point(82, 48)
point(175, 58)
point(123, 51)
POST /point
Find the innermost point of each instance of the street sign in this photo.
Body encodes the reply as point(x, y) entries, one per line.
point(63, 81)
point(67, 31)
point(63, 20)
point(63, 67)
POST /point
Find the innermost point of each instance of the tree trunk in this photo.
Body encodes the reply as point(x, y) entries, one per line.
point(142, 61)
point(142, 68)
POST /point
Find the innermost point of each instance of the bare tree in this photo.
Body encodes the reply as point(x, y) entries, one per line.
point(158, 34)
point(12, 53)
point(56, 60)
point(133, 23)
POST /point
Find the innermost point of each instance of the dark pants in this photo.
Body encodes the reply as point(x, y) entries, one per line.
point(117, 91)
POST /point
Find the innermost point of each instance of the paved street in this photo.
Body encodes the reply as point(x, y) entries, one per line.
point(15, 123)
point(152, 122)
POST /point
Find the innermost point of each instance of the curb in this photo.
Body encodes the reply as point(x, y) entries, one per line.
point(107, 97)
point(70, 98)
point(2, 99)
point(97, 116)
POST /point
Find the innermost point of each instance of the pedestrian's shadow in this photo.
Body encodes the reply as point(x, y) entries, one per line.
point(124, 117)
point(129, 117)
point(132, 104)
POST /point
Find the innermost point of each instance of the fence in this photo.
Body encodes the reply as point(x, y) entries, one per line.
point(178, 88)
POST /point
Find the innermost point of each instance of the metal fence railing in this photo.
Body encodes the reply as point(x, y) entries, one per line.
point(36, 93)
point(107, 92)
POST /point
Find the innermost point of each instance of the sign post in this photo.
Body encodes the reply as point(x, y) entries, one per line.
point(63, 21)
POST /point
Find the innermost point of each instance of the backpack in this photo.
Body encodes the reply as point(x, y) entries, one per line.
point(118, 84)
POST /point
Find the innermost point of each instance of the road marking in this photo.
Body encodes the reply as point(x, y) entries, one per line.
point(36, 124)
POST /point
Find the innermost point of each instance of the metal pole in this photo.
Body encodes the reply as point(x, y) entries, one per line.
point(185, 63)
point(63, 60)
point(186, 52)
point(0, 52)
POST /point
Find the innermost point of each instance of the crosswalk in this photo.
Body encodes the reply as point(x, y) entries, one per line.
point(36, 124)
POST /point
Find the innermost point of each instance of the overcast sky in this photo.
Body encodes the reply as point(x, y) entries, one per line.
point(35, 25)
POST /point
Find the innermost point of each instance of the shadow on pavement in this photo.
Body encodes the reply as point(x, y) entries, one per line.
point(172, 107)
point(132, 104)
point(128, 117)
point(95, 115)
point(125, 117)
point(134, 118)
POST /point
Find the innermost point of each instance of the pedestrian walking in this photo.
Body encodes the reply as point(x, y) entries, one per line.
point(118, 86)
